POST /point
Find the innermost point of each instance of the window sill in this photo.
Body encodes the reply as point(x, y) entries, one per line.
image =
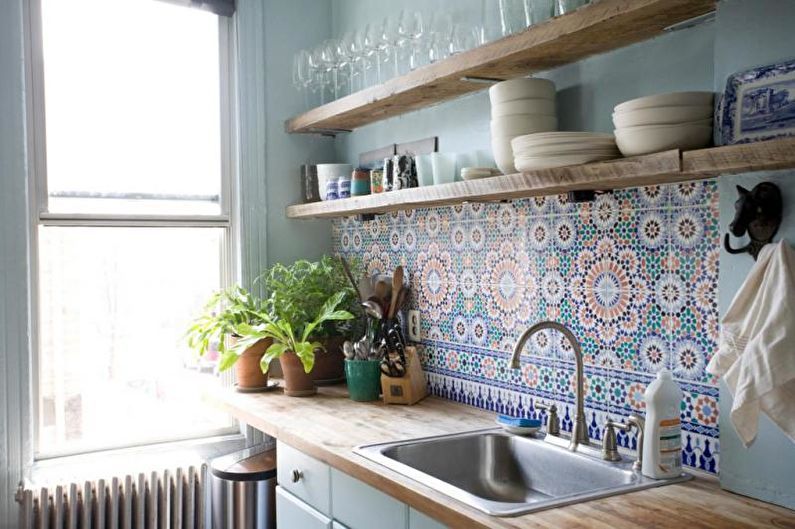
point(131, 461)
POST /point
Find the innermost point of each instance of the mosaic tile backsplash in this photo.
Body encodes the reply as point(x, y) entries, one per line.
point(634, 275)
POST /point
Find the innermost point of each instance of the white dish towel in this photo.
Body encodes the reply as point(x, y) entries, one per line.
point(756, 355)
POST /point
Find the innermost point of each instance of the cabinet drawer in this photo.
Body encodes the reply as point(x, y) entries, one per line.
point(292, 513)
point(304, 477)
point(360, 506)
point(418, 520)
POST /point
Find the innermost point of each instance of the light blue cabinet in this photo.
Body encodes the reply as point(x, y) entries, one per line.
point(292, 513)
point(312, 495)
point(360, 506)
point(417, 520)
point(304, 476)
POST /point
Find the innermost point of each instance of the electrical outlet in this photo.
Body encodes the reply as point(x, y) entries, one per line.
point(414, 325)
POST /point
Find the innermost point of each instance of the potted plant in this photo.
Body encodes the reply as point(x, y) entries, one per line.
point(292, 343)
point(296, 293)
point(215, 328)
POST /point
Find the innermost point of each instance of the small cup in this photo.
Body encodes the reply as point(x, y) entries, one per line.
point(424, 170)
point(360, 183)
point(364, 379)
point(443, 165)
point(377, 181)
point(331, 190)
point(344, 187)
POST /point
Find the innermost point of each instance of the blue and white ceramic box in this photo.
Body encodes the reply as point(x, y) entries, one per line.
point(759, 104)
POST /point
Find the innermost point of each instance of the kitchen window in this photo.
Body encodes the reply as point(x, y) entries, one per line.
point(133, 218)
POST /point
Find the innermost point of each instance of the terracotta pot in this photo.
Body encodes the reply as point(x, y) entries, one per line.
point(329, 364)
point(247, 368)
point(297, 383)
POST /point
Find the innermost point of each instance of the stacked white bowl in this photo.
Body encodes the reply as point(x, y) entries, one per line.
point(519, 107)
point(676, 120)
point(557, 149)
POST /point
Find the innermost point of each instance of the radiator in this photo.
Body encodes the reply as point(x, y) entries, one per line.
point(160, 500)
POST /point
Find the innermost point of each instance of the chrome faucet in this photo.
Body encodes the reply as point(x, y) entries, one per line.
point(579, 432)
point(610, 445)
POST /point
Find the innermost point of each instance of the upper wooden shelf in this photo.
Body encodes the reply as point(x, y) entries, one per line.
point(598, 27)
point(661, 168)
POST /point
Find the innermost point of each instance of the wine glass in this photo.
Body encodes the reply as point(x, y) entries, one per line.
point(513, 16)
point(411, 29)
point(331, 61)
point(441, 33)
point(393, 40)
point(375, 46)
point(346, 56)
point(463, 38)
point(302, 74)
point(319, 77)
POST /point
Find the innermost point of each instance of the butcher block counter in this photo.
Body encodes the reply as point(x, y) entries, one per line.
point(328, 426)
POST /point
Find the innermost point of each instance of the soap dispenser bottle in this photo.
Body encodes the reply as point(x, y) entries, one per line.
point(662, 440)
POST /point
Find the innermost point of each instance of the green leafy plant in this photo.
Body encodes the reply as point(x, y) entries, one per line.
point(297, 293)
point(292, 335)
point(223, 313)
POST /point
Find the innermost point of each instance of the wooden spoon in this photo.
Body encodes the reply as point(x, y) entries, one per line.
point(397, 284)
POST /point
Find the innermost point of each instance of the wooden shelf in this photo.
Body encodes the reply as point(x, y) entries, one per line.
point(661, 168)
point(601, 26)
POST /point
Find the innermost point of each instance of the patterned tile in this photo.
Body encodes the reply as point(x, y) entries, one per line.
point(633, 275)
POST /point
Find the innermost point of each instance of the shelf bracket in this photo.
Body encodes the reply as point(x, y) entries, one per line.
point(481, 80)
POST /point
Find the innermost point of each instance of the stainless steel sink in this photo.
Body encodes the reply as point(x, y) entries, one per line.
point(507, 475)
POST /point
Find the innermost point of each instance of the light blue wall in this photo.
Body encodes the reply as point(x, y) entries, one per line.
point(587, 90)
point(290, 26)
point(752, 33)
point(15, 425)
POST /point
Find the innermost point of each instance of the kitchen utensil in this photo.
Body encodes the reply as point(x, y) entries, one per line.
point(661, 115)
point(401, 299)
point(397, 284)
point(381, 289)
point(347, 269)
point(348, 350)
point(373, 309)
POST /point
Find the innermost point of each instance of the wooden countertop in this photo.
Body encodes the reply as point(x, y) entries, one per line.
point(329, 425)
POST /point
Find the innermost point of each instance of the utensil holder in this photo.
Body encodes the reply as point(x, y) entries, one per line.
point(363, 379)
point(408, 389)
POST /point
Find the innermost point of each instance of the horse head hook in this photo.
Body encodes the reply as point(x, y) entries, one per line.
point(758, 213)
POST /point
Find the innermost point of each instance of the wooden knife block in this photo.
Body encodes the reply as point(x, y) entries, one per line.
point(408, 389)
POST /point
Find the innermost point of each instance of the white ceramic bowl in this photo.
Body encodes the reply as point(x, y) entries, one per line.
point(635, 141)
point(668, 100)
point(503, 154)
point(518, 125)
point(521, 146)
point(661, 116)
point(540, 106)
point(521, 88)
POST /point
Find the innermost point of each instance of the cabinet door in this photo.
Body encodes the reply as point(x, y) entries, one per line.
point(304, 476)
point(292, 513)
point(360, 506)
point(417, 520)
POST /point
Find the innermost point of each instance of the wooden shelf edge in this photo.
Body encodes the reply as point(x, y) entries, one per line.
point(601, 26)
point(655, 169)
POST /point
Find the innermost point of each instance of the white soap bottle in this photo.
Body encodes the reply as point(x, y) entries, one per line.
point(662, 439)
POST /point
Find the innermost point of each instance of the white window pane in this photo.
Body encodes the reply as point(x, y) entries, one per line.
point(132, 93)
point(114, 369)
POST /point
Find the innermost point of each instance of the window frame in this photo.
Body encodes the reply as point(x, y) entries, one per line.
point(39, 216)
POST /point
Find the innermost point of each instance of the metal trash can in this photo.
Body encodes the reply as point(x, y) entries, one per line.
point(244, 488)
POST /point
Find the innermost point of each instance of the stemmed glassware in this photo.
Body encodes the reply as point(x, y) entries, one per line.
point(403, 42)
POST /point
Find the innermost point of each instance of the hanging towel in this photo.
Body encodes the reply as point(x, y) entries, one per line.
point(756, 354)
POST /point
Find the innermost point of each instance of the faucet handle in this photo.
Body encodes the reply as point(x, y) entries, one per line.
point(610, 444)
point(553, 424)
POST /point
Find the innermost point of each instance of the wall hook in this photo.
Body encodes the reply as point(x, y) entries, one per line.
point(758, 213)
